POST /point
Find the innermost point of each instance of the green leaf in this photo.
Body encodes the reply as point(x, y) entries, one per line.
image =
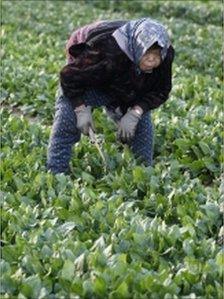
point(46, 251)
point(80, 263)
point(188, 247)
point(88, 178)
point(4, 267)
point(32, 264)
point(220, 260)
point(210, 164)
point(8, 285)
point(212, 211)
point(120, 292)
point(205, 148)
point(99, 243)
point(99, 286)
point(68, 270)
point(87, 288)
point(21, 296)
point(138, 174)
point(31, 286)
point(183, 144)
point(66, 228)
point(174, 233)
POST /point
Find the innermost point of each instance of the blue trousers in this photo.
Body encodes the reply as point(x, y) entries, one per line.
point(64, 133)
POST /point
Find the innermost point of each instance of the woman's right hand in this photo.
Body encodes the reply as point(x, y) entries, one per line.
point(84, 119)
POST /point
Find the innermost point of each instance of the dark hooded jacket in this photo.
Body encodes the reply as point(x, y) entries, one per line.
point(96, 60)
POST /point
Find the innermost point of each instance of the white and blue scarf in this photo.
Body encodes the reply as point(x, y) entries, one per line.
point(137, 36)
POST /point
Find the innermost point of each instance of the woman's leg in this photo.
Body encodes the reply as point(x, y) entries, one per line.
point(64, 132)
point(142, 144)
point(63, 135)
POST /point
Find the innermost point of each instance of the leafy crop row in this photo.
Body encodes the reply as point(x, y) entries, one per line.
point(127, 231)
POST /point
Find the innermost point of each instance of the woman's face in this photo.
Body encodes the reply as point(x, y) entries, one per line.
point(150, 60)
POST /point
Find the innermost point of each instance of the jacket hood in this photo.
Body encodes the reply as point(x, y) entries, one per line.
point(137, 36)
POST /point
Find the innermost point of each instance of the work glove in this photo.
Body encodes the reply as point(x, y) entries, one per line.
point(127, 126)
point(84, 119)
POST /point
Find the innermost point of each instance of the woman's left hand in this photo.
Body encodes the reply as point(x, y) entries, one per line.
point(127, 125)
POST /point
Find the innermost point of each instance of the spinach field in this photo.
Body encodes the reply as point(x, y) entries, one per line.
point(128, 231)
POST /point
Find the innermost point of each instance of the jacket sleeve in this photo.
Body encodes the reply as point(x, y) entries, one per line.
point(154, 98)
point(91, 67)
point(87, 72)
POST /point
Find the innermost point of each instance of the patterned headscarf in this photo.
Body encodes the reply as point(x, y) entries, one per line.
point(137, 36)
